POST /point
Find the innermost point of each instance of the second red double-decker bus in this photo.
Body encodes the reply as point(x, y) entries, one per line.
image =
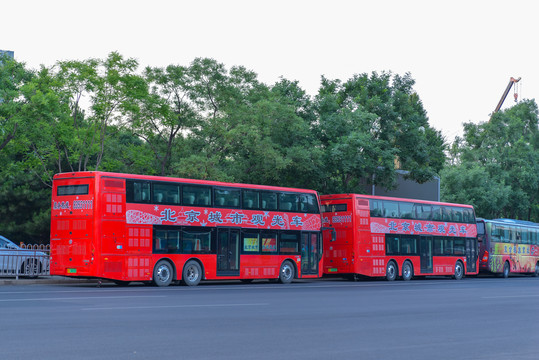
point(158, 229)
point(390, 237)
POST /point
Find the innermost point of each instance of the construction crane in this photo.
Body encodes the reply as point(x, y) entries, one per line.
point(507, 89)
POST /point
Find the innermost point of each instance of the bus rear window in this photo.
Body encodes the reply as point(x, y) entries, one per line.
point(334, 208)
point(66, 190)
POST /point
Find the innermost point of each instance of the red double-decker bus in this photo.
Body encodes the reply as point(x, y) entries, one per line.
point(382, 236)
point(158, 229)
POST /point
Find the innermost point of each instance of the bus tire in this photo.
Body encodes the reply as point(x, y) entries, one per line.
point(407, 271)
point(391, 271)
point(246, 281)
point(506, 270)
point(459, 270)
point(192, 273)
point(163, 273)
point(286, 274)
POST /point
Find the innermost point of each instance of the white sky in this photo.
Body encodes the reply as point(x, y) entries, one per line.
point(461, 53)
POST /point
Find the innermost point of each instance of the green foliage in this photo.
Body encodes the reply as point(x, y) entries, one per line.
point(206, 121)
point(13, 76)
point(25, 210)
point(369, 124)
point(495, 165)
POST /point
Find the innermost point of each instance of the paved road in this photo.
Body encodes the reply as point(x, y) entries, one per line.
point(476, 318)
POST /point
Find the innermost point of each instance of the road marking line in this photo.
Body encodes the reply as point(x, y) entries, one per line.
point(85, 298)
point(509, 296)
point(171, 306)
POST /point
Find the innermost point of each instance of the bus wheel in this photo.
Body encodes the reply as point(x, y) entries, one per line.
point(246, 281)
point(536, 272)
point(459, 271)
point(391, 271)
point(506, 270)
point(192, 273)
point(162, 273)
point(407, 271)
point(286, 275)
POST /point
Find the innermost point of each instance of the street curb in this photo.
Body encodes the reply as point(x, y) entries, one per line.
point(42, 280)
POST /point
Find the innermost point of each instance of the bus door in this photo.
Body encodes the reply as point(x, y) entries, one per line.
point(471, 255)
point(425, 249)
point(228, 252)
point(309, 253)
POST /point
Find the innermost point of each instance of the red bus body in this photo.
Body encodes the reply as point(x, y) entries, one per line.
point(382, 236)
point(508, 246)
point(119, 226)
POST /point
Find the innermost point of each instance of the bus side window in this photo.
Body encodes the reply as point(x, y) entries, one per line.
point(405, 210)
point(289, 243)
point(448, 246)
point(141, 191)
point(494, 232)
point(376, 208)
point(408, 245)
point(269, 200)
point(196, 195)
point(436, 213)
point(468, 216)
point(438, 247)
point(308, 203)
point(173, 238)
point(392, 245)
point(518, 235)
point(288, 202)
point(160, 241)
point(250, 199)
point(226, 197)
point(525, 236)
point(427, 212)
point(188, 198)
point(391, 209)
point(459, 247)
point(458, 215)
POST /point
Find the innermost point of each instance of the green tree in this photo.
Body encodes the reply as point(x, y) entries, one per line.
point(506, 149)
point(117, 90)
point(78, 102)
point(13, 76)
point(78, 81)
point(25, 104)
point(166, 114)
point(248, 132)
point(368, 125)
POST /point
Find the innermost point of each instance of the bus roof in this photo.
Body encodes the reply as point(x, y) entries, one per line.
point(510, 222)
point(375, 197)
point(96, 174)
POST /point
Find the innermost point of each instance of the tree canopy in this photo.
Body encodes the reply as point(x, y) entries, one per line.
point(495, 165)
point(206, 121)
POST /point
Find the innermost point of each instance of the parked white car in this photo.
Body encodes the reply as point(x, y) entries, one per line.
point(15, 261)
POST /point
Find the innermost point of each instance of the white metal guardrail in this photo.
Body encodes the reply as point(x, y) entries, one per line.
point(24, 263)
point(36, 247)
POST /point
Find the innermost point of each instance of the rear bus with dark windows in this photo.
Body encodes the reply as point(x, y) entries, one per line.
point(508, 246)
point(391, 237)
point(128, 228)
